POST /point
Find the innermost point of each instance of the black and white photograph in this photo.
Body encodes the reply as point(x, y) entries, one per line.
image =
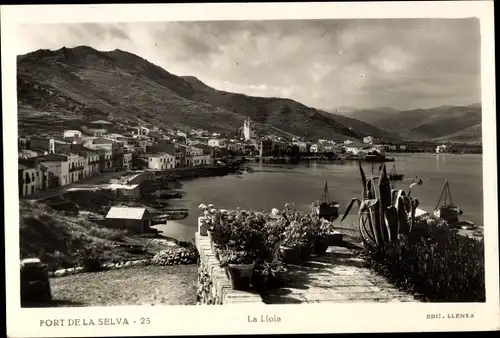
point(251, 162)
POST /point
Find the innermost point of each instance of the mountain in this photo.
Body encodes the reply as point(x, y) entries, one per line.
point(450, 123)
point(66, 87)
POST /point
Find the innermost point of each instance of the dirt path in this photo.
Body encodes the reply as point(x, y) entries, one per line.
point(150, 285)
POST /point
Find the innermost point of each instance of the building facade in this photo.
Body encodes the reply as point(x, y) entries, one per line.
point(47, 144)
point(72, 134)
point(218, 142)
point(57, 169)
point(160, 161)
point(127, 161)
point(32, 177)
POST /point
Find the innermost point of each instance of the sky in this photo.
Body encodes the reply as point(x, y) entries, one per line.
point(361, 63)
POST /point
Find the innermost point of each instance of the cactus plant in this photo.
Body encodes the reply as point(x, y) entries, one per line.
point(383, 213)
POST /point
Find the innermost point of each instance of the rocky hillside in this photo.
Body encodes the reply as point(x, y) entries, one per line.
point(62, 88)
point(445, 123)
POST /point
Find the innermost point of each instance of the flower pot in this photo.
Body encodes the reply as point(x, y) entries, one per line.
point(210, 240)
point(202, 226)
point(290, 255)
point(276, 279)
point(335, 238)
point(305, 252)
point(240, 275)
point(321, 245)
point(259, 282)
point(280, 275)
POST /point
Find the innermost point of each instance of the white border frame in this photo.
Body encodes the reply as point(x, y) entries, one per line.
point(338, 318)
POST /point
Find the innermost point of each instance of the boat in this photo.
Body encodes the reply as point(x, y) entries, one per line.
point(377, 158)
point(394, 176)
point(467, 225)
point(324, 208)
point(447, 210)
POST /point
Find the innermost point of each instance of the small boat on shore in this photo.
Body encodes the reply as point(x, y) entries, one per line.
point(445, 209)
point(324, 208)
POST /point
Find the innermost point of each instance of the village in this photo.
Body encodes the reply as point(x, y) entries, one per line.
point(47, 162)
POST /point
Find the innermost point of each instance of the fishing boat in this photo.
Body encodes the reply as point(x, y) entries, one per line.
point(394, 176)
point(324, 208)
point(445, 209)
point(467, 225)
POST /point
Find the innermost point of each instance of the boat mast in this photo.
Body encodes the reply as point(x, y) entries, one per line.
point(446, 194)
point(325, 198)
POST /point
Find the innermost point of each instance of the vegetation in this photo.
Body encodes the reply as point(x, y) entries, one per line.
point(425, 258)
point(56, 238)
point(383, 213)
point(243, 237)
point(439, 265)
point(62, 241)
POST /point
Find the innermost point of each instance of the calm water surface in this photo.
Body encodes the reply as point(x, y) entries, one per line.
point(271, 186)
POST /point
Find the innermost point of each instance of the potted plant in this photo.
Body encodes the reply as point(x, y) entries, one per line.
point(278, 273)
point(321, 242)
point(293, 241)
point(310, 225)
point(204, 221)
point(219, 232)
point(260, 277)
point(335, 237)
point(239, 267)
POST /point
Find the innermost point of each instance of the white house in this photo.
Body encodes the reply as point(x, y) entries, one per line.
point(196, 156)
point(72, 134)
point(57, 167)
point(354, 148)
point(302, 146)
point(160, 161)
point(441, 149)
point(218, 142)
point(77, 167)
point(368, 140)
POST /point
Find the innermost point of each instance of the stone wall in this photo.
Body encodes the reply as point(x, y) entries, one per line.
point(214, 287)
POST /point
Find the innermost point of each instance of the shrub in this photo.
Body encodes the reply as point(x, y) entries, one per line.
point(176, 256)
point(90, 258)
point(442, 266)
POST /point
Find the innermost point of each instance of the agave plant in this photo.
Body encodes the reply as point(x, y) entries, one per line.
point(383, 213)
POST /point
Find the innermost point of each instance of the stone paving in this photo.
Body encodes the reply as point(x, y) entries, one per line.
point(336, 276)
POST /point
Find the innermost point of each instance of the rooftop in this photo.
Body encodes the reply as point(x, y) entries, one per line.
point(100, 122)
point(125, 213)
point(52, 158)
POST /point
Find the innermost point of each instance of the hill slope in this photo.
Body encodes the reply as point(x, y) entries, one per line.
point(450, 123)
point(62, 88)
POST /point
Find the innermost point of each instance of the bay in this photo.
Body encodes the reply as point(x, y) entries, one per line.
point(271, 186)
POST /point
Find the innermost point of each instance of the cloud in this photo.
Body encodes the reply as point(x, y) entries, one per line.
point(403, 63)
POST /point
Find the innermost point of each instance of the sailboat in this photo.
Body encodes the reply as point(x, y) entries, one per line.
point(325, 208)
point(447, 211)
point(393, 175)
